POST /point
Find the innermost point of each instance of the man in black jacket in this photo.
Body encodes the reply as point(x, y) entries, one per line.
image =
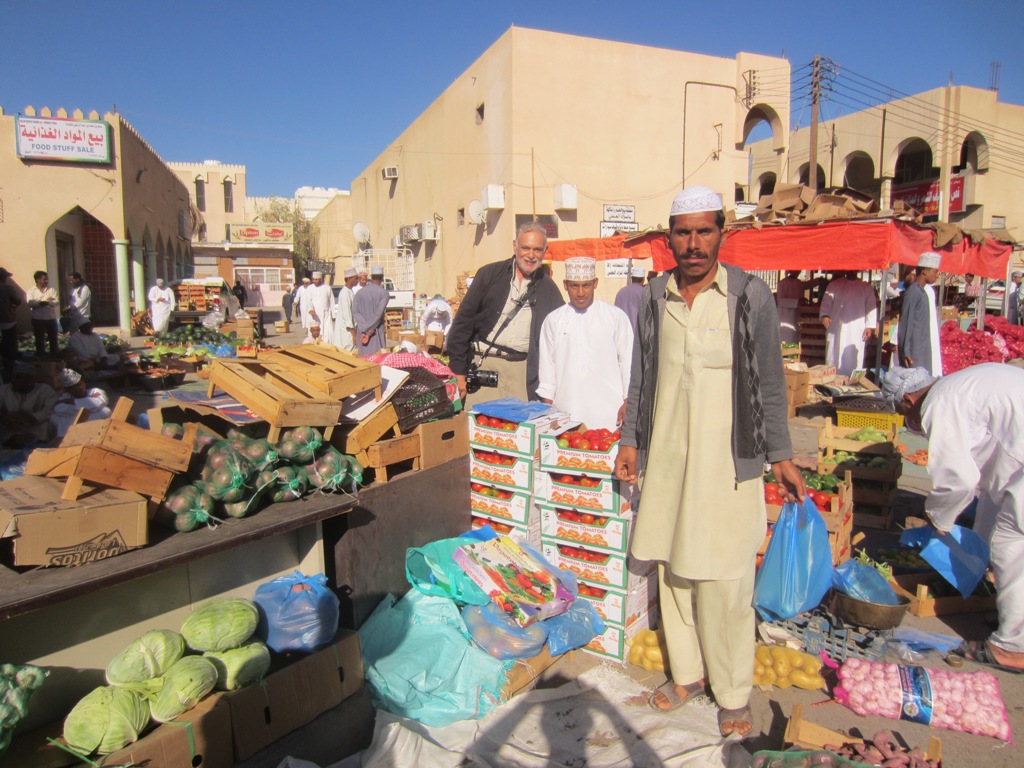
point(483, 333)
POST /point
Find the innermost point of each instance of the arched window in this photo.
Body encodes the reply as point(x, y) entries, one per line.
point(201, 193)
point(229, 202)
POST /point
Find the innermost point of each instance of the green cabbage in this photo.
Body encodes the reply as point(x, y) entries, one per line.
point(17, 684)
point(239, 667)
point(149, 656)
point(184, 685)
point(220, 624)
point(106, 720)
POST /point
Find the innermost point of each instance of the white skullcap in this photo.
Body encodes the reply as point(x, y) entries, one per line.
point(1017, 273)
point(350, 273)
point(315, 325)
point(318, 275)
point(377, 271)
point(902, 381)
point(637, 272)
point(68, 378)
point(159, 281)
point(696, 200)
point(929, 260)
point(305, 279)
point(580, 269)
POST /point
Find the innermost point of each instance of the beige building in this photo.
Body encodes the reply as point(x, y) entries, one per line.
point(956, 138)
point(80, 193)
point(232, 240)
point(332, 233)
point(587, 135)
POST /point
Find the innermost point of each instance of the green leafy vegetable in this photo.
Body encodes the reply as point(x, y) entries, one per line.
point(106, 720)
point(220, 624)
point(185, 684)
point(239, 667)
point(148, 657)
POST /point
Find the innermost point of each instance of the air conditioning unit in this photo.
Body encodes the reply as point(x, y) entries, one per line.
point(494, 197)
point(410, 233)
point(565, 197)
point(397, 242)
point(430, 230)
point(389, 172)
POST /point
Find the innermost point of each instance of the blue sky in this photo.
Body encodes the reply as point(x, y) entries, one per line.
point(308, 93)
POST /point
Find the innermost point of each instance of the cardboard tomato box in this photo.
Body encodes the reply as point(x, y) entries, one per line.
point(520, 439)
point(620, 608)
point(528, 532)
point(513, 506)
point(518, 475)
point(601, 494)
point(513, 579)
point(613, 643)
point(573, 526)
point(601, 569)
point(556, 459)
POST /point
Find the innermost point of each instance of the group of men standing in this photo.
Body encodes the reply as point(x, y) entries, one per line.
point(352, 320)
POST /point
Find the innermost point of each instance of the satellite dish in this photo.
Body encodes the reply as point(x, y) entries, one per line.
point(477, 213)
point(361, 232)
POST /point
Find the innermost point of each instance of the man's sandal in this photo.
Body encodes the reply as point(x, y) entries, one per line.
point(670, 692)
point(979, 652)
point(729, 721)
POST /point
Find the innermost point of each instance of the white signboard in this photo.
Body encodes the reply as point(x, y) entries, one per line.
point(54, 138)
point(608, 228)
point(616, 268)
point(619, 213)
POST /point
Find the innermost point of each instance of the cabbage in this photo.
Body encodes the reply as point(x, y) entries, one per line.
point(106, 720)
point(220, 624)
point(186, 682)
point(17, 684)
point(149, 656)
point(238, 667)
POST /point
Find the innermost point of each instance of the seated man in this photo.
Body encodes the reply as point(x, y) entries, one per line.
point(313, 336)
point(75, 396)
point(25, 409)
point(88, 351)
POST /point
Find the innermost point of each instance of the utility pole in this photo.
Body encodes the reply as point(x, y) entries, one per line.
point(812, 162)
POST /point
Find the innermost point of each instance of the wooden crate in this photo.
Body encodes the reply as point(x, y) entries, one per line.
point(384, 455)
point(276, 395)
point(832, 438)
point(329, 369)
point(113, 453)
point(807, 735)
point(915, 587)
point(370, 430)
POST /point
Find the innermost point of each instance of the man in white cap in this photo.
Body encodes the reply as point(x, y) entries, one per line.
point(344, 324)
point(437, 317)
point(73, 396)
point(318, 304)
point(368, 310)
point(300, 301)
point(628, 297)
point(849, 312)
point(88, 350)
point(161, 304)
point(313, 335)
point(971, 420)
point(917, 337)
point(586, 349)
point(497, 327)
point(706, 411)
point(362, 278)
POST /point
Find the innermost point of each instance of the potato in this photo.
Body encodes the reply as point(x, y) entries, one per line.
point(764, 655)
point(654, 654)
point(807, 681)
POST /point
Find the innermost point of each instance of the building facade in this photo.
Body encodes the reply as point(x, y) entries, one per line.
point(233, 238)
point(80, 193)
point(586, 135)
point(950, 152)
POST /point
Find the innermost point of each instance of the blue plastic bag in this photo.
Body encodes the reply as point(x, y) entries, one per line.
point(498, 633)
point(574, 628)
point(297, 613)
point(431, 570)
point(961, 556)
point(797, 568)
point(863, 582)
point(512, 409)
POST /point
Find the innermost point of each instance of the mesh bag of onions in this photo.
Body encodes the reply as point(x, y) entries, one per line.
point(957, 701)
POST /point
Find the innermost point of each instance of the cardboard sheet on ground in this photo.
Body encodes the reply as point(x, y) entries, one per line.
point(600, 720)
point(359, 407)
point(222, 405)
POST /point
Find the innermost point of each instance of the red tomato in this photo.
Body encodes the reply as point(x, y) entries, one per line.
point(587, 518)
point(495, 423)
point(774, 499)
point(475, 487)
point(583, 445)
point(770, 488)
point(820, 497)
point(574, 439)
point(567, 480)
point(604, 446)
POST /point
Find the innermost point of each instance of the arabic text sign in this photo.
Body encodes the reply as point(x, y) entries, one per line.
point(619, 213)
point(925, 195)
point(54, 138)
point(609, 228)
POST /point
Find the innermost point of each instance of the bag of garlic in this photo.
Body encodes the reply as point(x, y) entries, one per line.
point(958, 701)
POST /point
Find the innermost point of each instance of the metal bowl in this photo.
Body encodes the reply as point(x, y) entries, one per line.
point(861, 613)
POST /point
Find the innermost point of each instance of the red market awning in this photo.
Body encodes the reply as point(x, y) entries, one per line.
point(827, 246)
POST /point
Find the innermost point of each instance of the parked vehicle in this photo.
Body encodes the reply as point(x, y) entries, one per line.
point(195, 298)
point(994, 297)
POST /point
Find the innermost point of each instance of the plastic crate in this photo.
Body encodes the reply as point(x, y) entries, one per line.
point(422, 397)
point(858, 419)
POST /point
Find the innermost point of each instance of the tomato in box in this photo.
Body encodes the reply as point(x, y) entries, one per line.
point(592, 452)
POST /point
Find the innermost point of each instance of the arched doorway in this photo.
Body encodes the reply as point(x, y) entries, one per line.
point(803, 177)
point(859, 174)
point(762, 122)
point(79, 242)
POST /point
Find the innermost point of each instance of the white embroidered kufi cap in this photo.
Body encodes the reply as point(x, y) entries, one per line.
point(696, 200)
point(901, 381)
point(637, 272)
point(580, 269)
point(318, 275)
point(929, 260)
point(68, 378)
point(350, 273)
point(376, 271)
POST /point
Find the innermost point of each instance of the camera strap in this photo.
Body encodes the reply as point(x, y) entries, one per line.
point(528, 299)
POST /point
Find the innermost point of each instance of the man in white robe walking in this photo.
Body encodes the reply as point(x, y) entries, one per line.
point(586, 350)
point(344, 324)
point(301, 301)
point(161, 304)
point(849, 312)
point(318, 305)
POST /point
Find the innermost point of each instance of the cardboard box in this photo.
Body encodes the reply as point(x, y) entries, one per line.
point(592, 463)
point(443, 441)
point(822, 374)
point(295, 695)
point(613, 643)
point(46, 530)
point(521, 441)
point(514, 580)
point(622, 609)
point(602, 569)
point(510, 506)
point(519, 475)
point(433, 340)
point(201, 736)
point(528, 532)
point(604, 532)
point(797, 381)
point(601, 496)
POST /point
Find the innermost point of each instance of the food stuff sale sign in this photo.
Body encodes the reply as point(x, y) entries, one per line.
point(54, 138)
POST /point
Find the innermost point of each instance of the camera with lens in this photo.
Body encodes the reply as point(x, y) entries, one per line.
point(475, 378)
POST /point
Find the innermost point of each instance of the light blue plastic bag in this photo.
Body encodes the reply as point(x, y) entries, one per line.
point(574, 628)
point(297, 613)
point(961, 556)
point(797, 568)
point(512, 409)
point(863, 583)
point(431, 570)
